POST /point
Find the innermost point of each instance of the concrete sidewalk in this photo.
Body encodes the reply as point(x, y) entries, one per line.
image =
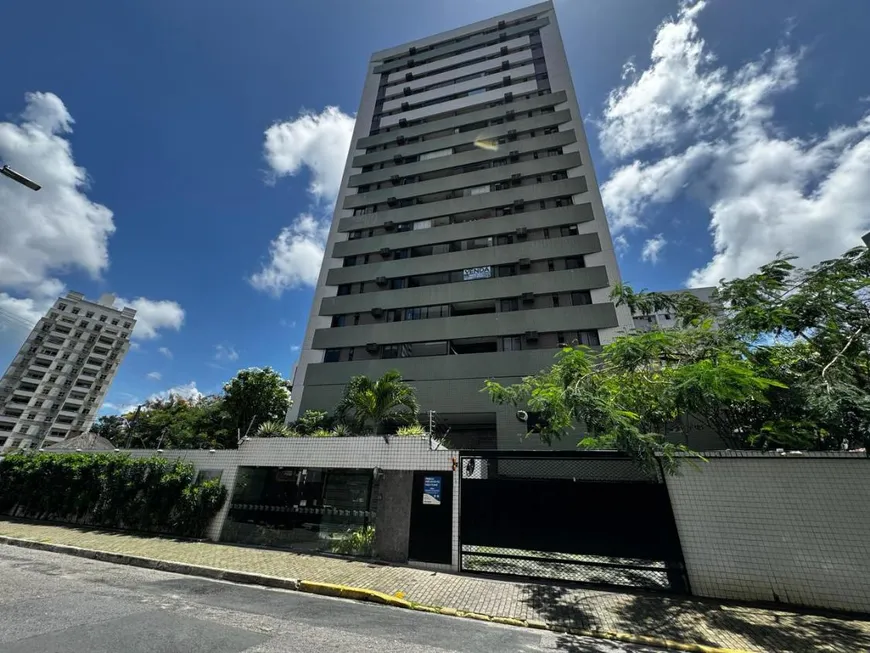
point(709, 623)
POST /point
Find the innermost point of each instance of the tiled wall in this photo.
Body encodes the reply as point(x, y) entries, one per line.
point(777, 528)
point(399, 453)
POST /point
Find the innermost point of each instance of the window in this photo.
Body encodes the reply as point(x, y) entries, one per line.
point(507, 270)
point(555, 300)
point(350, 354)
point(332, 356)
point(437, 154)
point(127, 325)
point(355, 323)
point(102, 318)
point(551, 265)
point(575, 263)
point(511, 343)
point(569, 230)
point(588, 338)
point(422, 224)
point(390, 351)
point(477, 190)
point(338, 320)
point(581, 298)
point(546, 233)
point(508, 305)
point(89, 314)
point(75, 311)
point(115, 322)
point(344, 289)
point(61, 307)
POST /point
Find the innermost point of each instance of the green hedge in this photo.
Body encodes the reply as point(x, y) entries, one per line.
point(110, 490)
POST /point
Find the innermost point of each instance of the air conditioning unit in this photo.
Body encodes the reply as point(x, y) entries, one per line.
point(410, 63)
point(528, 298)
point(392, 201)
point(501, 24)
point(525, 263)
point(515, 155)
point(502, 36)
point(403, 122)
point(409, 76)
point(412, 50)
point(522, 232)
point(372, 348)
point(389, 225)
point(512, 134)
point(377, 312)
point(400, 140)
point(508, 98)
point(506, 80)
point(381, 281)
point(386, 252)
point(505, 65)
point(396, 179)
point(405, 106)
point(406, 91)
point(510, 115)
point(503, 51)
point(531, 336)
point(397, 159)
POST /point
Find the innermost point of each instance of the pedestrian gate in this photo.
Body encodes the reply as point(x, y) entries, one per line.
point(591, 517)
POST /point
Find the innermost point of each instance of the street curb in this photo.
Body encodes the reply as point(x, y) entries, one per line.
point(347, 592)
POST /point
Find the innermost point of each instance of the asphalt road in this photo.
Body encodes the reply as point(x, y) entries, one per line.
point(56, 603)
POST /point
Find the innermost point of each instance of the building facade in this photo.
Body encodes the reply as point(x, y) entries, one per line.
point(57, 382)
point(469, 238)
point(666, 320)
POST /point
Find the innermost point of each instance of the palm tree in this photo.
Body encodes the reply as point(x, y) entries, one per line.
point(274, 430)
point(368, 403)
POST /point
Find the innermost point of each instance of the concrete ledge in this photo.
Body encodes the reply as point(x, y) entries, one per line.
point(346, 592)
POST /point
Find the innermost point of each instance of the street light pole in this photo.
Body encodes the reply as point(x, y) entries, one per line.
point(6, 171)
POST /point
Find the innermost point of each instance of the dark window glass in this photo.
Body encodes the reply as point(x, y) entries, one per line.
point(508, 305)
point(332, 356)
point(575, 262)
point(581, 298)
point(588, 338)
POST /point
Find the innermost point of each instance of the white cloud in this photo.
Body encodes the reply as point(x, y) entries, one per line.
point(652, 248)
point(153, 315)
point(319, 143)
point(225, 353)
point(154, 376)
point(187, 391)
point(685, 128)
point(294, 257)
point(620, 244)
point(294, 348)
point(166, 352)
point(58, 229)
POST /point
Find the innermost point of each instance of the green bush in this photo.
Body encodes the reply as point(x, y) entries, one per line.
point(359, 542)
point(110, 490)
point(411, 429)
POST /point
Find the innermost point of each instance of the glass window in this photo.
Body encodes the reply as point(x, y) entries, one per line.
point(477, 190)
point(575, 262)
point(511, 343)
point(422, 224)
point(588, 338)
point(581, 298)
point(437, 154)
point(390, 351)
point(332, 356)
point(555, 300)
point(508, 305)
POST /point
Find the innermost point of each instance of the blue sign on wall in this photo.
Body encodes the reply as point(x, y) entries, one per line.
point(432, 490)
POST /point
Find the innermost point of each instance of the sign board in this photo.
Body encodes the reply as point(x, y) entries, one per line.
point(432, 490)
point(470, 274)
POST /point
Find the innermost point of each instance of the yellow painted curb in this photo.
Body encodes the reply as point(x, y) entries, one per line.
point(347, 592)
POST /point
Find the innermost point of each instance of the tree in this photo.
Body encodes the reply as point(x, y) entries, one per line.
point(376, 405)
point(113, 428)
point(783, 360)
point(261, 395)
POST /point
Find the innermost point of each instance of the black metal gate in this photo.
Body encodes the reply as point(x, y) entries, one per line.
point(590, 517)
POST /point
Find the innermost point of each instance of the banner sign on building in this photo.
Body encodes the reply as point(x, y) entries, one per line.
point(470, 274)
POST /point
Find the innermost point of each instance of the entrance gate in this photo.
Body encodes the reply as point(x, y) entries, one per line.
point(590, 517)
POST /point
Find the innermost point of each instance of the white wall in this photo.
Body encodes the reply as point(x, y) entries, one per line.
point(767, 527)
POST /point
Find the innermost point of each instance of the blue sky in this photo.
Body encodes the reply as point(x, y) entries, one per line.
point(190, 152)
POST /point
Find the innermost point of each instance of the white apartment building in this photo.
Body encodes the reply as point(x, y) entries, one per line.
point(469, 238)
point(57, 382)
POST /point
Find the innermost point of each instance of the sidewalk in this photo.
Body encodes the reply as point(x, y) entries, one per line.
point(710, 623)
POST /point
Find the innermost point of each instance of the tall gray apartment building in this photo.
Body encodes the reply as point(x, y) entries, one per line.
point(469, 238)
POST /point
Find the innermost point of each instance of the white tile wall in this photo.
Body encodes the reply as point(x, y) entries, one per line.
point(796, 530)
point(400, 453)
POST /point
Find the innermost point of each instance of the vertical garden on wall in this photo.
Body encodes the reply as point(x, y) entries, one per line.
point(110, 490)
